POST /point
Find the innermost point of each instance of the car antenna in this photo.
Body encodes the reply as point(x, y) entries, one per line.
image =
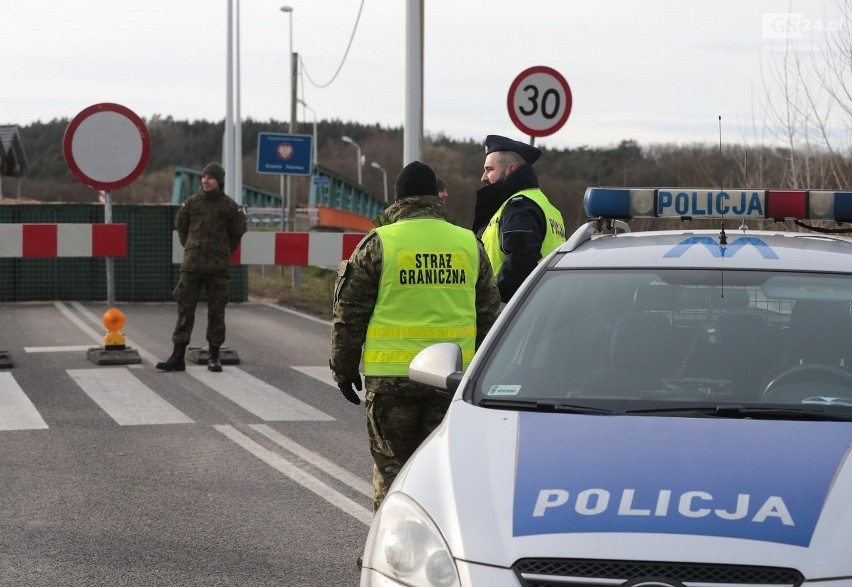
point(723, 238)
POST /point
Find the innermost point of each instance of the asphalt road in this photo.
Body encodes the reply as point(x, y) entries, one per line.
point(122, 475)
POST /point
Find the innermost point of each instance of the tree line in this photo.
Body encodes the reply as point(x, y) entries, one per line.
point(564, 174)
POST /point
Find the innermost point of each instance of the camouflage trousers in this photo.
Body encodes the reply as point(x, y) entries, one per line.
point(188, 292)
point(397, 423)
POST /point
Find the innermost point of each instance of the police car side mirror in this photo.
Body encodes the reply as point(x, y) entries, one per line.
point(439, 366)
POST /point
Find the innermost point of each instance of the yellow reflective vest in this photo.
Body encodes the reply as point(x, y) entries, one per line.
point(427, 294)
point(553, 237)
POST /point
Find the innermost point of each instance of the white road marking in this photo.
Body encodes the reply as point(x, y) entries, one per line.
point(301, 477)
point(99, 338)
point(17, 412)
point(56, 349)
point(323, 374)
point(256, 396)
point(127, 400)
point(315, 459)
point(296, 313)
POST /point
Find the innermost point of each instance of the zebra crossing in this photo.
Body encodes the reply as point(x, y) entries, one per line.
point(126, 399)
point(17, 412)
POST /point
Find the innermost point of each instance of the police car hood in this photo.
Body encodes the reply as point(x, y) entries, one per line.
point(504, 485)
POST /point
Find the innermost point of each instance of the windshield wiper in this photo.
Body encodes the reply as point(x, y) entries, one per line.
point(541, 406)
point(756, 412)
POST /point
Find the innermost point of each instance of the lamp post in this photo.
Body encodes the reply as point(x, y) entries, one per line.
point(291, 200)
point(360, 161)
point(316, 152)
point(384, 177)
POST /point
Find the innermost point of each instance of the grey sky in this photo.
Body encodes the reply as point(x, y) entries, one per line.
point(652, 70)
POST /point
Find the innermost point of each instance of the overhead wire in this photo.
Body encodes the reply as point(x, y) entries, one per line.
point(304, 69)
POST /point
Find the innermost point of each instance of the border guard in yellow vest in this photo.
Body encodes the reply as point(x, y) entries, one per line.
point(414, 280)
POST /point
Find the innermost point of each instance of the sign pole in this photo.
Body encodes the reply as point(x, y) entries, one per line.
point(109, 261)
point(107, 146)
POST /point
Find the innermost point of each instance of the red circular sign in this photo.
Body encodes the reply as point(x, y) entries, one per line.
point(106, 146)
point(539, 101)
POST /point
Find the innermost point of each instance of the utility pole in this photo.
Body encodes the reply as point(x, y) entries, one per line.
point(291, 195)
point(291, 192)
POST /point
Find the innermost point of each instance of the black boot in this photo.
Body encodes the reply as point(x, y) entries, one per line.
point(175, 362)
point(213, 363)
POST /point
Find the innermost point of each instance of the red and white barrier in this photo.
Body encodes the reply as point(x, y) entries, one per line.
point(63, 240)
point(318, 249)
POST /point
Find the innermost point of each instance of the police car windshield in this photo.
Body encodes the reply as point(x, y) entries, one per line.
point(634, 338)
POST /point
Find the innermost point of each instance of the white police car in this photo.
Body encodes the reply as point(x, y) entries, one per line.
point(663, 409)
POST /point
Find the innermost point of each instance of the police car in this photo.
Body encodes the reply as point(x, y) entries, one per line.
point(667, 409)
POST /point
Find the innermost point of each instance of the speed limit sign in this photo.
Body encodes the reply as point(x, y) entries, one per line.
point(539, 101)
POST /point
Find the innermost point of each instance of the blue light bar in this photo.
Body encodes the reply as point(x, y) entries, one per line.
point(696, 203)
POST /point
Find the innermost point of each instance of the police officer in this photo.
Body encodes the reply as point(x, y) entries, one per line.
point(210, 225)
point(516, 222)
point(415, 280)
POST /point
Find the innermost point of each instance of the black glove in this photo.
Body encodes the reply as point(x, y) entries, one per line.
point(345, 388)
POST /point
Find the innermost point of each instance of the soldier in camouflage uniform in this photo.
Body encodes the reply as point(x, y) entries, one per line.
point(400, 412)
point(210, 225)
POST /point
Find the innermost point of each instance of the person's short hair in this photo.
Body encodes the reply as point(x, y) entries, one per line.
point(508, 157)
point(442, 185)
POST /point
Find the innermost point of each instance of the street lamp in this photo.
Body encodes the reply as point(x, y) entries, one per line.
point(360, 161)
point(291, 199)
point(384, 177)
point(289, 11)
point(316, 152)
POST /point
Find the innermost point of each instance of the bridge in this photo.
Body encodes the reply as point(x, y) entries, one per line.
point(334, 203)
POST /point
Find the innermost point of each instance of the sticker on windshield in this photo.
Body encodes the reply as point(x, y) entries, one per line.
point(504, 390)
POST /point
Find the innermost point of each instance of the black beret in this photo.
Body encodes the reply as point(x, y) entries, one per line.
point(498, 143)
point(416, 179)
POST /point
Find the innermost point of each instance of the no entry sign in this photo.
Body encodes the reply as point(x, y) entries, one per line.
point(106, 146)
point(539, 101)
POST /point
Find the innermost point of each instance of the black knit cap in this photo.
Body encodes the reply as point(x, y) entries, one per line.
point(416, 179)
point(215, 171)
point(498, 143)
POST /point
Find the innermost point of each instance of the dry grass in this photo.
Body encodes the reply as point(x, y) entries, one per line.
point(313, 295)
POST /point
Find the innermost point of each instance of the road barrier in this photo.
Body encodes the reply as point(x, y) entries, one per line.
point(51, 252)
point(63, 240)
point(317, 249)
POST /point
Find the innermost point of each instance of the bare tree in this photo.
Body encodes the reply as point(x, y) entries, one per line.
point(808, 99)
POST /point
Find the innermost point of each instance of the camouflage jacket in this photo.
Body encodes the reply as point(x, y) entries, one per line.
point(358, 287)
point(210, 226)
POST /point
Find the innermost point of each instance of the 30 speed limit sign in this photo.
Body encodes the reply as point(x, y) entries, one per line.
point(539, 101)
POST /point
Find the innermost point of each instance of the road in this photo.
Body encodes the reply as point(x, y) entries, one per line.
point(123, 475)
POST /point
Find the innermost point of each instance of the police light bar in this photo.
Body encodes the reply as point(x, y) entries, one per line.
point(698, 203)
